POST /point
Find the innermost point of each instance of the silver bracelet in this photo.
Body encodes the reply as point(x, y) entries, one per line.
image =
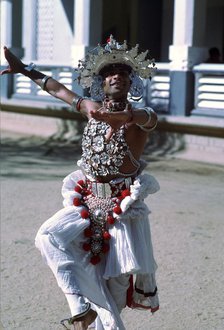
point(76, 102)
point(30, 67)
point(43, 82)
point(144, 127)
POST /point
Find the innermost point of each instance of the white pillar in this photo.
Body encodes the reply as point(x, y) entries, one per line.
point(87, 27)
point(29, 30)
point(186, 51)
point(188, 34)
point(6, 26)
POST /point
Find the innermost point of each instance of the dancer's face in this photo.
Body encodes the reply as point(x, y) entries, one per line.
point(116, 83)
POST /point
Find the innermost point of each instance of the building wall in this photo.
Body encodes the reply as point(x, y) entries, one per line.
point(55, 35)
point(147, 22)
point(61, 32)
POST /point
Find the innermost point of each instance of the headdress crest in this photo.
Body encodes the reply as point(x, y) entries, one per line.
point(114, 53)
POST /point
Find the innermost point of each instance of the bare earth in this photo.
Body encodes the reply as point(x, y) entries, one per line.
point(187, 223)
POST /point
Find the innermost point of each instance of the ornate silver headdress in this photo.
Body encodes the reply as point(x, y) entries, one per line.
point(114, 53)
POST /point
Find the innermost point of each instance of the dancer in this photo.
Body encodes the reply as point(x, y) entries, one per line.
point(99, 245)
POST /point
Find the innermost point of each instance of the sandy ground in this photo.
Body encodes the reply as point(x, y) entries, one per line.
point(187, 224)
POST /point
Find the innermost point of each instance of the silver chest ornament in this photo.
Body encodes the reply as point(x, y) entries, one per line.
point(99, 156)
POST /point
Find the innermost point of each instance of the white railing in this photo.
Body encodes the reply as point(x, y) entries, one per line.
point(158, 90)
point(209, 88)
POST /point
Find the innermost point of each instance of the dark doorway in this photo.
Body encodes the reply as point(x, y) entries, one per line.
point(138, 21)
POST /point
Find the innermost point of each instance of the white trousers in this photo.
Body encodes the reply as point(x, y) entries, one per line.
point(117, 286)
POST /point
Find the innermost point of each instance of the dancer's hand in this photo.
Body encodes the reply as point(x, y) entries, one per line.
point(114, 119)
point(15, 65)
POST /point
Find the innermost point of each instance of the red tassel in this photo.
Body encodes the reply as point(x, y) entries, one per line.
point(78, 189)
point(117, 210)
point(88, 232)
point(106, 235)
point(125, 193)
point(84, 214)
point(95, 260)
point(81, 183)
point(86, 246)
point(76, 202)
point(110, 220)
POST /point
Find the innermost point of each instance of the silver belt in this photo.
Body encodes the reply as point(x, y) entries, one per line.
point(104, 190)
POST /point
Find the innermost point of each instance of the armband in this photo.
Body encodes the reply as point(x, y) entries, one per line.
point(43, 82)
point(144, 127)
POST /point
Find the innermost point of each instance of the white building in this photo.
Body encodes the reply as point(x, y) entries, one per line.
point(55, 34)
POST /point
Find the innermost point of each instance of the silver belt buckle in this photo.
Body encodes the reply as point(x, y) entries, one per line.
point(103, 190)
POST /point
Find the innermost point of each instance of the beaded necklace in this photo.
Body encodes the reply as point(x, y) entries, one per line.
point(113, 106)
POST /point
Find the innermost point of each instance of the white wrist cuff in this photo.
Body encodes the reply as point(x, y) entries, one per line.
point(76, 304)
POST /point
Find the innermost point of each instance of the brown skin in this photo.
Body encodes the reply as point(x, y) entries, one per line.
point(83, 322)
point(116, 86)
